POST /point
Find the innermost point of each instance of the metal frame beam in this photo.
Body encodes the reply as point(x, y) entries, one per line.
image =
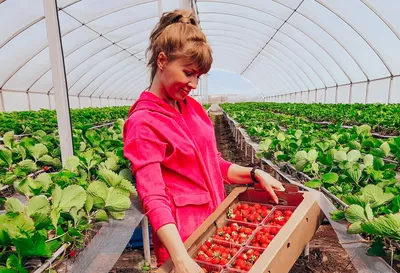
point(59, 79)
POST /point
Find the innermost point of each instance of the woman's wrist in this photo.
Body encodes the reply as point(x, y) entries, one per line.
point(180, 258)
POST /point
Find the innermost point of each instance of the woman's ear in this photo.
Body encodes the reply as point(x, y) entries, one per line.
point(162, 60)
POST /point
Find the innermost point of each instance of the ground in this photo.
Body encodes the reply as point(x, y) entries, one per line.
point(326, 254)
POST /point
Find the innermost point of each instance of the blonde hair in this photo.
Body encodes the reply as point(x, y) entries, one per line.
point(178, 35)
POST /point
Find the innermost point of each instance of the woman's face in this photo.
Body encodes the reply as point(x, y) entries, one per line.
point(178, 78)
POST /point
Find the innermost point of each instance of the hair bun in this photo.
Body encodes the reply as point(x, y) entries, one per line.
point(185, 20)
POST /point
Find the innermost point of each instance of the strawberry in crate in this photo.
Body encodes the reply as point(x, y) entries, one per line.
point(234, 233)
point(216, 253)
point(280, 217)
point(246, 259)
point(252, 213)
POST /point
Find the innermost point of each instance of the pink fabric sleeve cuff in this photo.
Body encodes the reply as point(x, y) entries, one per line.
point(160, 217)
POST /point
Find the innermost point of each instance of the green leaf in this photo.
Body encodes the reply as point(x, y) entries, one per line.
point(72, 196)
point(355, 228)
point(281, 136)
point(330, 178)
point(44, 180)
point(385, 148)
point(6, 156)
point(355, 174)
point(46, 159)
point(312, 155)
point(265, 144)
point(118, 215)
point(355, 200)
point(126, 185)
point(99, 189)
point(354, 145)
point(378, 163)
point(363, 129)
point(377, 152)
point(38, 151)
point(32, 247)
point(110, 164)
point(21, 151)
point(7, 270)
point(88, 203)
point(38, 204)
point(301, 160)
point(72, 164)
point(116, 202)
point(384, 226)
point(376, 196)
point(298, 133)
point(42, 221)
point(27, 165)
point(368, 212)
point(101, 215)
point(14, 263)
point(337, 215)
point(355, 213)
point(19, 225)
point(377, 248)
point(368, 160)
point(353, 156)
point(340, 156)
point(14, 205)
point(8, 139)
point(395, 205)
point(314, 184)
point(111, 178)
point(126, 174)
point(55, 215)
point(56, 196)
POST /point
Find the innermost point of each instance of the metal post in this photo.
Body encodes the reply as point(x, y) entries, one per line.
point(336, 93)
point(146, 239)
point(59, 78)
point(366, 92)
point(2, 106)
point(350, 92)
point(390, 90)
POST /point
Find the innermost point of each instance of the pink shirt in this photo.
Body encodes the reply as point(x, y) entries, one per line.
point(179, 172)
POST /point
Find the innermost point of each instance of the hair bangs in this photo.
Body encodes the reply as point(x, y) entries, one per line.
point(198, 53)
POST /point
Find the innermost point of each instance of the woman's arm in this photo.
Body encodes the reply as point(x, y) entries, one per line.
point(183, 263)
point(241, 175)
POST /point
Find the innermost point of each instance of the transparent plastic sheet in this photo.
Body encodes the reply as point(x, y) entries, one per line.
point(106, 247)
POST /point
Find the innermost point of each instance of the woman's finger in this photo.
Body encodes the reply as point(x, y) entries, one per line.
point(268, 188)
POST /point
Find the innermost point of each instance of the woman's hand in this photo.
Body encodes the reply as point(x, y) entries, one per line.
point(186, 265)
point(269, 184)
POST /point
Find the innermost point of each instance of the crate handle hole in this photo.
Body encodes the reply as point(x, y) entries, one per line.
point(288, 245)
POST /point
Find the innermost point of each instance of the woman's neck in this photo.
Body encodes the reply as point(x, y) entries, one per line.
point(157, 89)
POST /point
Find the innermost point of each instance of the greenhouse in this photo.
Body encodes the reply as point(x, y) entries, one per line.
point(185, 135)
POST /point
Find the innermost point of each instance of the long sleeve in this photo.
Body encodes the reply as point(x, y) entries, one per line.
point(146, 153)
point(224, 166)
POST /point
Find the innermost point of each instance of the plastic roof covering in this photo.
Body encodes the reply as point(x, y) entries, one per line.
point(103, 42)
point(301, 45)
point(282, 46)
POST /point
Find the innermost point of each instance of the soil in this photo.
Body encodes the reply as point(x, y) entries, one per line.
point(326, 254)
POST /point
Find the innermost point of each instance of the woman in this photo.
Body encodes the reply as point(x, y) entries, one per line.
point(170, 142)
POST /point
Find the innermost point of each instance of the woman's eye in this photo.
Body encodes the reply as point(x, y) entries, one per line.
point(188, 74)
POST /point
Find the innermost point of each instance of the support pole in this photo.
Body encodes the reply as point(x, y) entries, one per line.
point(146, 239)
point(59, 78)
